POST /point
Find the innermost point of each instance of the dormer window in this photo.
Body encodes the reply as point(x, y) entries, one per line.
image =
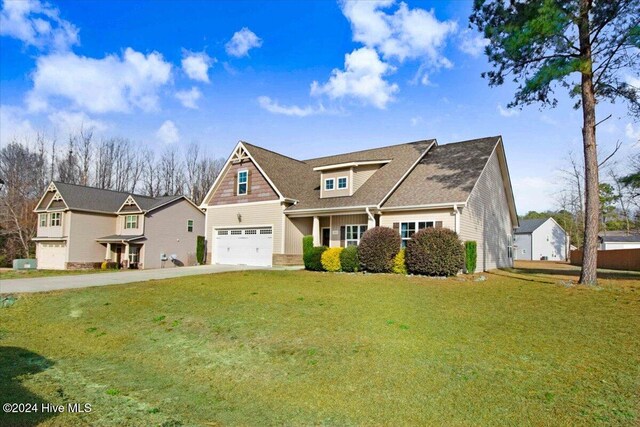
point(342, 183)
point(243, 177)
point(131, 221)
point(43, 219)
point(329, 184)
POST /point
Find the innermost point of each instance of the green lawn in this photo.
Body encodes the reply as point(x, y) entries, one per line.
point(301, 348)
point(26, 274)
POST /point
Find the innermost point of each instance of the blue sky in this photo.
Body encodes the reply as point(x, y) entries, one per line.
point(301, 78)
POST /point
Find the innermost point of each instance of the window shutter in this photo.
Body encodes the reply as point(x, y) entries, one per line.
point(235, 184)
point(249, 181)
point(396, 227)
point(343, 234)
point(438, 224)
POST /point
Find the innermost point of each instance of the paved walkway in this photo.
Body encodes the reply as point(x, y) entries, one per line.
point(43, 284)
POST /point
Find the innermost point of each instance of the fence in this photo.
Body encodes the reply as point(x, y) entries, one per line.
point(617, 259)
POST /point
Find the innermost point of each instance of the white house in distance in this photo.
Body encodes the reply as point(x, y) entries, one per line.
point(618, 240)
point(538, 239)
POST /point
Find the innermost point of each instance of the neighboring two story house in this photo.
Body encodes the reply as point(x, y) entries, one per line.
point(263, 203)
point(80, 226)
point(541, 239)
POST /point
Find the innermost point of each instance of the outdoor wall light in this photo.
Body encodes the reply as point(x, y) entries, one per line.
point(239, 217)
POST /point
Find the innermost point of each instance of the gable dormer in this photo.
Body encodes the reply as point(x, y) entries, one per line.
point(51, 200)
point(129, 205)
point(344, 179)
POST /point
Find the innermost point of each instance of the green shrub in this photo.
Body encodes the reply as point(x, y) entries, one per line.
point(435, 252)
point(349, 259)
point(313, 259)
point(200, 250)
point(378, 247)
point(307, 247)
point(331, 259)
point(399, 265)
point(470, 256)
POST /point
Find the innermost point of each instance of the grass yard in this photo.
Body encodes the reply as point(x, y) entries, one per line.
point(6, 274)
point(301, 348)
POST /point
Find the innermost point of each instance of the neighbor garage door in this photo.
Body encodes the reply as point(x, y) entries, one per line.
point(248, 246)
point(51, 255)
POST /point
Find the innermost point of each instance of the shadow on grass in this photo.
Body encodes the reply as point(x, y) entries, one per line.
point(15, 363)
point(620, 275)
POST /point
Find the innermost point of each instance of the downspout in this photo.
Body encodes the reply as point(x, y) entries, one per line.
point(372, 219)
point(456, 219)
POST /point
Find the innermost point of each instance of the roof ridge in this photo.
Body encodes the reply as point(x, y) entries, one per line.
point(272, 152)
point(106, 189)
point(466, 141)
point(371, 149)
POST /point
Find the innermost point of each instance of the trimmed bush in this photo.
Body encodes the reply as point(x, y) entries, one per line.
point(200, 250)
point(399, 265)
point(470, 256)
point(435, 252)
point(313, 259)
point(349, 259)
point(307, 247)
point(378, 247)
point(331, 259)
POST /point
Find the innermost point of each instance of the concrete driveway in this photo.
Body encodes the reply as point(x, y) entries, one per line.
point(43, 284)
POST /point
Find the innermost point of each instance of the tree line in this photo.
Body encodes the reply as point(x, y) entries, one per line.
point(28, 165)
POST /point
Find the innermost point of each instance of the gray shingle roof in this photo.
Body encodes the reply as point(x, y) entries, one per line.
point(528, 226)
point(620, 236)
point(96, 199)
point(446, 174)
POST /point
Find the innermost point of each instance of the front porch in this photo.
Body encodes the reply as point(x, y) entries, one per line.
point(125, 251)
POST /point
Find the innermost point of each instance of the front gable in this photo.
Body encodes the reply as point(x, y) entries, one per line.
point(129, 205)
point(226, 191)
point(51, 200)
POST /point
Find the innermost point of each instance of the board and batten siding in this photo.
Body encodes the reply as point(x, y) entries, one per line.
point(166, 233)
point(487, 220)
point(85, 228)
point(387, 219)
point(254, 214)
point(295, 230)
point(338, 221)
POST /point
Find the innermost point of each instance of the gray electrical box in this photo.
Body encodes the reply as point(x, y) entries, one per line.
point(25, 264)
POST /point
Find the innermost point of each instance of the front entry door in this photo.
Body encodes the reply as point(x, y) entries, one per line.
point(326, 236)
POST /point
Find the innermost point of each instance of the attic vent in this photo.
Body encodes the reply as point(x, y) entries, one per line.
point(52, 187)
point(239, 155)
point(56, 197)
point(129, 201)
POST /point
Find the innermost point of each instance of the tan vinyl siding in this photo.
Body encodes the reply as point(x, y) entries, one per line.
point(166, 232)
point(341, 173)
point(61, 231)
point(259, 214)
point(445, 215)
point(338, 221)
point(85, 228)
point(486, 218)
point(363, 173)
point(130, 231)
point(295, 230)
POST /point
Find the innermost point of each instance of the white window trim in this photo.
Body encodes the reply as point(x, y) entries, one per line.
point(46, 219)
point(246, 183)
point(333, 180)
point(346, 186)
point(134, 252)
point(415, 223)
point(192, 224)
point(51, 219)
point(346, 240)
point(126, 222)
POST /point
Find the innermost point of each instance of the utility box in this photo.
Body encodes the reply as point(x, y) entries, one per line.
point(25, 264)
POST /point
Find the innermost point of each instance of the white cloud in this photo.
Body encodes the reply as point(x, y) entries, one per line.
point(362, 79)
point(633, 81)
point(472, 43)
point(533, 193)
point(14, 125)
point(632, 133)
point(274, 107)
point(416, 120)
point(507, 112)
point(241, 42)
point(405, 34)
point(36, 24)
point(189, 98)
point(66, 122)
point(111, 84)
point(196, 65)
point(168, 133)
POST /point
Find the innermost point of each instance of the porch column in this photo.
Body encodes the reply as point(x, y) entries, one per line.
point(107, 254)
point(316, 231)
point(126, 254)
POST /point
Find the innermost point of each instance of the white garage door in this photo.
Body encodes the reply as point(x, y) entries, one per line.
point(248, 246)
point(51, 255)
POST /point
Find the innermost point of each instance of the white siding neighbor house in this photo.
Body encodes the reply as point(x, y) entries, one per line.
point(539, 239)
point(263, 203)
point(618, 240)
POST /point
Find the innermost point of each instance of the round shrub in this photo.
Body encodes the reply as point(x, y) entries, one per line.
point(378, 247)
point(435, 252)
point(399, 265)
point(349, 259)
point(313, 258)
point(331, 259)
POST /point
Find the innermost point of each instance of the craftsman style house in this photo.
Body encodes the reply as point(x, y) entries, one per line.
point(263, 203)
point(81, 226)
